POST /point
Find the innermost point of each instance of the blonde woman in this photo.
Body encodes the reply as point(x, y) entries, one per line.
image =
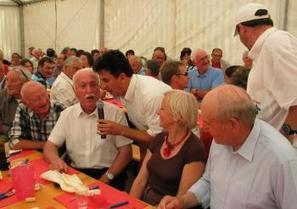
point(176, 157)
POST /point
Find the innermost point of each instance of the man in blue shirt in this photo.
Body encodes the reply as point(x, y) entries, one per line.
point(45, 71)
point(203, 77)
point(250, 164)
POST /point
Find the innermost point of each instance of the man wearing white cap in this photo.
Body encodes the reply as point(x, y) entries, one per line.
point(272, 80)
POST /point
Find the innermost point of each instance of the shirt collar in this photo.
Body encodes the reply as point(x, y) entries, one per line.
point(141, 71)
point(80, 112)
point(38, 74)
point(64, 76)
point(255, 50)
point(247, 149)
point(31, 112)
point(201, 75)
point(131, 88)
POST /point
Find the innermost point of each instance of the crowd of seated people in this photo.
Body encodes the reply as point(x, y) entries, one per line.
point(56, 71)
point(49, 101)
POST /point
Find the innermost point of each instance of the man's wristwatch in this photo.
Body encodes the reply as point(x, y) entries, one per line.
point(109, 175)
point(286, 128)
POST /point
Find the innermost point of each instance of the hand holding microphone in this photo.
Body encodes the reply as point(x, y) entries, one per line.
point(100, 109)
point(105, 126)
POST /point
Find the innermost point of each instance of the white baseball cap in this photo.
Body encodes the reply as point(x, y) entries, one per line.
point(250, 12)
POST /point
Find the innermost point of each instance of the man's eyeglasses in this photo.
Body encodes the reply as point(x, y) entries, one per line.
point(185, 73)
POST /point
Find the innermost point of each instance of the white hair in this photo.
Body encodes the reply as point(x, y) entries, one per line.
point(82, 71)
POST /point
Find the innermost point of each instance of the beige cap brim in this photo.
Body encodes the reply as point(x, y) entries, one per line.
point(235, 31)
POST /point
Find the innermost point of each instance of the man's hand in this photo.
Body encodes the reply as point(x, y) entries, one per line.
point(59, 165)
point(169, 202)
point(105, 127)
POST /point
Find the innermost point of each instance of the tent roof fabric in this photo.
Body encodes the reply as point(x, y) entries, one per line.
point(17, 2)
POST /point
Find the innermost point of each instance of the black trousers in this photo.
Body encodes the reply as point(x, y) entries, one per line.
point(118, 182)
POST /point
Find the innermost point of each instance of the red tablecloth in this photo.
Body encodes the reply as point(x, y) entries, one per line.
point(107, 197)
point(5, 185)
point(23, 153)
point(40, 166)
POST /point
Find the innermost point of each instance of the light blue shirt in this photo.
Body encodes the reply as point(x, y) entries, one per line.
point(141, 71)
point(207, 81)
point(261, 174)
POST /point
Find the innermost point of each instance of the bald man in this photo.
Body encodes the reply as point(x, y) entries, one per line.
point(34, 118)
point(251, 165)
point(10, 98)
point(103, 159)
point(203, 77)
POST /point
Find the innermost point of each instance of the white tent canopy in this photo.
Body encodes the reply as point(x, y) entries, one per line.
point(131, 24)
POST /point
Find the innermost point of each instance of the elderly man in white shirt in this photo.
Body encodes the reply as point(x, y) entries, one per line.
point(62, 90)
point(251, 165)
point(272, 80)
point(102, 158)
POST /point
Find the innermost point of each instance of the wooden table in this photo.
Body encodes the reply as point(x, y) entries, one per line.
point(45, 196)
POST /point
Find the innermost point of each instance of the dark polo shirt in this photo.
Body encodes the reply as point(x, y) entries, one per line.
point(8, 106)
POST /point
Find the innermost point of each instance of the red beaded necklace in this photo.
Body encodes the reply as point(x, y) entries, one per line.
point(169, 146)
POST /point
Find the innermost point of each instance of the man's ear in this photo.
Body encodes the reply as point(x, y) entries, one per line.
point(122, 76)
point(243, 28)
point(235, 123)
point(174, 78)
point(25, 102)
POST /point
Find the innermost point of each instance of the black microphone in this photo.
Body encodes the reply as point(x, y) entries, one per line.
point(101, 114)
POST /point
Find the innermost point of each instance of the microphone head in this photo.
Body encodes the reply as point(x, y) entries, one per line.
point(101, 113)
point(100, 104)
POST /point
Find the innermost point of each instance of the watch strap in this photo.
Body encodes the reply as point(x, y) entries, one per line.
point(286, 128)
point(109, 175)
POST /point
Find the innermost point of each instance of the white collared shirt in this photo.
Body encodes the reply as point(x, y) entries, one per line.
point(84, 146)
point(272, 80)
point(262, 174)
point(62, 91)
point(143, 100)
